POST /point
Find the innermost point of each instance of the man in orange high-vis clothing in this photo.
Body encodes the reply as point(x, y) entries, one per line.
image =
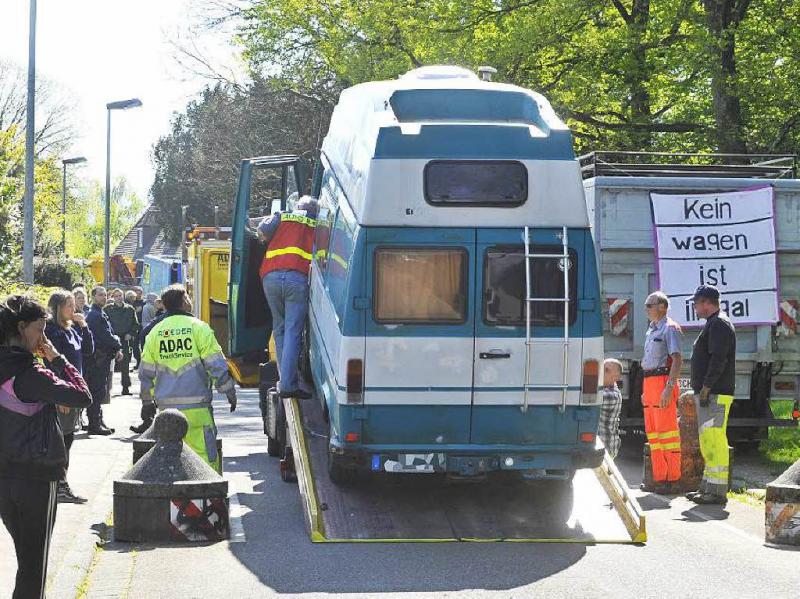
point(661, 364)
point(284, 274)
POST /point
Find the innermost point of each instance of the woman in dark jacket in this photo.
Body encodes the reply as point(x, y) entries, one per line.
point(30, 471)
point(70, 335)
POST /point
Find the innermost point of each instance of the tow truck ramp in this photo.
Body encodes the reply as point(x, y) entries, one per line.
point(414, 508)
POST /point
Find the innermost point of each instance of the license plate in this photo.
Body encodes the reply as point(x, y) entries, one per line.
point(414, 463)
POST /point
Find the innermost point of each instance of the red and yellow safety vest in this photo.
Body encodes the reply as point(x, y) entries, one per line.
point(290, 247)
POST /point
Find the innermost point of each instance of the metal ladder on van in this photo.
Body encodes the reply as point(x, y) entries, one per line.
point(564, 257)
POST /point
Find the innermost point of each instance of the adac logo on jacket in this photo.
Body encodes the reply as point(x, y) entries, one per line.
point(176, 342)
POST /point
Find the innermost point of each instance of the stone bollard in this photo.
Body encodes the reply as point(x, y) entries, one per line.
point(782, 508)
point(147, 440)
point(171, 494)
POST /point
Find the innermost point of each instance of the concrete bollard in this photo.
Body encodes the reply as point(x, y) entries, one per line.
point(171, 494)
point(782, 508)
point(147, 440)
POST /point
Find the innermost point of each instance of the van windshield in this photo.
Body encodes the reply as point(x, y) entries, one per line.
point(476, 183)
point(504, 282)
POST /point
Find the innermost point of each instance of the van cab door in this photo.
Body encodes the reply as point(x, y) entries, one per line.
point(266, 185)
point(500, 340)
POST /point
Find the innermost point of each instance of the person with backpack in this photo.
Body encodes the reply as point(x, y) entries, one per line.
point(32, 453)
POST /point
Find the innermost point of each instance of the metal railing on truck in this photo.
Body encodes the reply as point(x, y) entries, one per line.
point(665, 164)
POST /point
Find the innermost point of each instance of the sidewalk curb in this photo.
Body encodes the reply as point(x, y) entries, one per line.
point(79, 557)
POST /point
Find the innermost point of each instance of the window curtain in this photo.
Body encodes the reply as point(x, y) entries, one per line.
point(420, 285)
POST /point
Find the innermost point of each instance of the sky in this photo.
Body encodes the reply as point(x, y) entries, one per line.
point(107, 50)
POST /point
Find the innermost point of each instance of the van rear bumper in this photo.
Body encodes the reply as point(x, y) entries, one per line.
point(545, 461)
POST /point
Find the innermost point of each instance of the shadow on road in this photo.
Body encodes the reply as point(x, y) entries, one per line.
point(280, 553)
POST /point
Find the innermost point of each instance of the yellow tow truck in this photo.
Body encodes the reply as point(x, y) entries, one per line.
point(206, 262)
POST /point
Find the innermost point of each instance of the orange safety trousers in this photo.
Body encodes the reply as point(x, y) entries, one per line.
point(661, 426)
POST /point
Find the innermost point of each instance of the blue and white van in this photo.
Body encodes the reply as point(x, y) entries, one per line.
point(455, 320)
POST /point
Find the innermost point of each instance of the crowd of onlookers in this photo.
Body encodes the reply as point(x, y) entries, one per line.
point(56, 369)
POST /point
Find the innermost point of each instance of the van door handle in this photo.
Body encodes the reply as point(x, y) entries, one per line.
point(494, 355)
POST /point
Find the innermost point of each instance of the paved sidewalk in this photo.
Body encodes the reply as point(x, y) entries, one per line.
point(95, 462)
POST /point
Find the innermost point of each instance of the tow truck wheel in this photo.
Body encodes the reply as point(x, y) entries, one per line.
point(276, 445)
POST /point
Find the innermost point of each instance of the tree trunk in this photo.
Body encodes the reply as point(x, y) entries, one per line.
point(638, 77)
point(722, 20)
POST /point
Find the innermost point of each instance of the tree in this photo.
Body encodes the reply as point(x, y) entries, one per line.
point(55, 128)
point(197, 164)
point(671, 75)
point(86, 217)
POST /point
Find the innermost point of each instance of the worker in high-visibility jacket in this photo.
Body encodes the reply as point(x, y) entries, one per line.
point(284, 274)
point(661, 366)
point(713, 384)
point(180, 360)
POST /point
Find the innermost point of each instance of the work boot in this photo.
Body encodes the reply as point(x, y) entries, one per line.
point(141, 428)
point(710, 499)
point(65, 494)
point(99, 429)
point(657, 488)
point(126, 391)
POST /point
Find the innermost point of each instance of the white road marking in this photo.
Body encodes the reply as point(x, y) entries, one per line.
point(237, 511)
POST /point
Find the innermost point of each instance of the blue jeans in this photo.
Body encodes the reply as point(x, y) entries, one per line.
point(287, 295)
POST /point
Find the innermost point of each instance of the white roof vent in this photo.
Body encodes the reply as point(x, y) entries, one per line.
point(439, 72)
point(486, 73)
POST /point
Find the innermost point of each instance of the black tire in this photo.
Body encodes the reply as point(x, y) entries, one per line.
point(340, 474)
point(287, 474)
point(273, 447)
point(277, 446)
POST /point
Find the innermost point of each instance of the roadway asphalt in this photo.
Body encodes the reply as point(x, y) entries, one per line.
point(692, 551)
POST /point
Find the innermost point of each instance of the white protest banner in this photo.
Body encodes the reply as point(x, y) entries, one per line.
point(721, 239)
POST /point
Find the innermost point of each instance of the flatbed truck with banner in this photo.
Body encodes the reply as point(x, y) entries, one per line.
point(454, 341)
point(675, 221)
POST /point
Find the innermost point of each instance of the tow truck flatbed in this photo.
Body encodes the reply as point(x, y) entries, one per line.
point(431, 508)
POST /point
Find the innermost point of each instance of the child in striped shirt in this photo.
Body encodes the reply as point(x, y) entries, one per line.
point(608, 428)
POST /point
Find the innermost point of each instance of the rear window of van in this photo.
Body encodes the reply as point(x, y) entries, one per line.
point(498, 183)
point(415, 286)
point(504, 295)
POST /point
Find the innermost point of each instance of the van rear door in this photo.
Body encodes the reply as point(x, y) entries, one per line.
point(500, 352)
point(419, 335)
point(266, 184)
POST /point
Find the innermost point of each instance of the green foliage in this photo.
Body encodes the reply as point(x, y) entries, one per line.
point(782, 448)
point(41, 293)
point(654, 75)
point(197, 164)
point(60, 271)
point(86, 217)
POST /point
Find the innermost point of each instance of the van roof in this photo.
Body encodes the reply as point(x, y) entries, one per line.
point(448, 113)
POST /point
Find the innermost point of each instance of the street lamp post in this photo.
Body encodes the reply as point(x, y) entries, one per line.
point(121, 105)
point(65, 162)
point(27, 204)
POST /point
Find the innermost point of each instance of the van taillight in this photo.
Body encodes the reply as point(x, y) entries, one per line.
point(355, 381)
point(591, 374)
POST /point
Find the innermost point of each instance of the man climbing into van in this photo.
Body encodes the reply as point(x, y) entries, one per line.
point(284, 275)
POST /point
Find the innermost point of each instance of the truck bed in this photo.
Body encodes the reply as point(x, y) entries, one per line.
point(432, 508)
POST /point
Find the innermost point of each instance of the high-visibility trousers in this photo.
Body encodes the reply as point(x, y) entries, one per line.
point(661, 426)
point(712, 422)
point(202, 435)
